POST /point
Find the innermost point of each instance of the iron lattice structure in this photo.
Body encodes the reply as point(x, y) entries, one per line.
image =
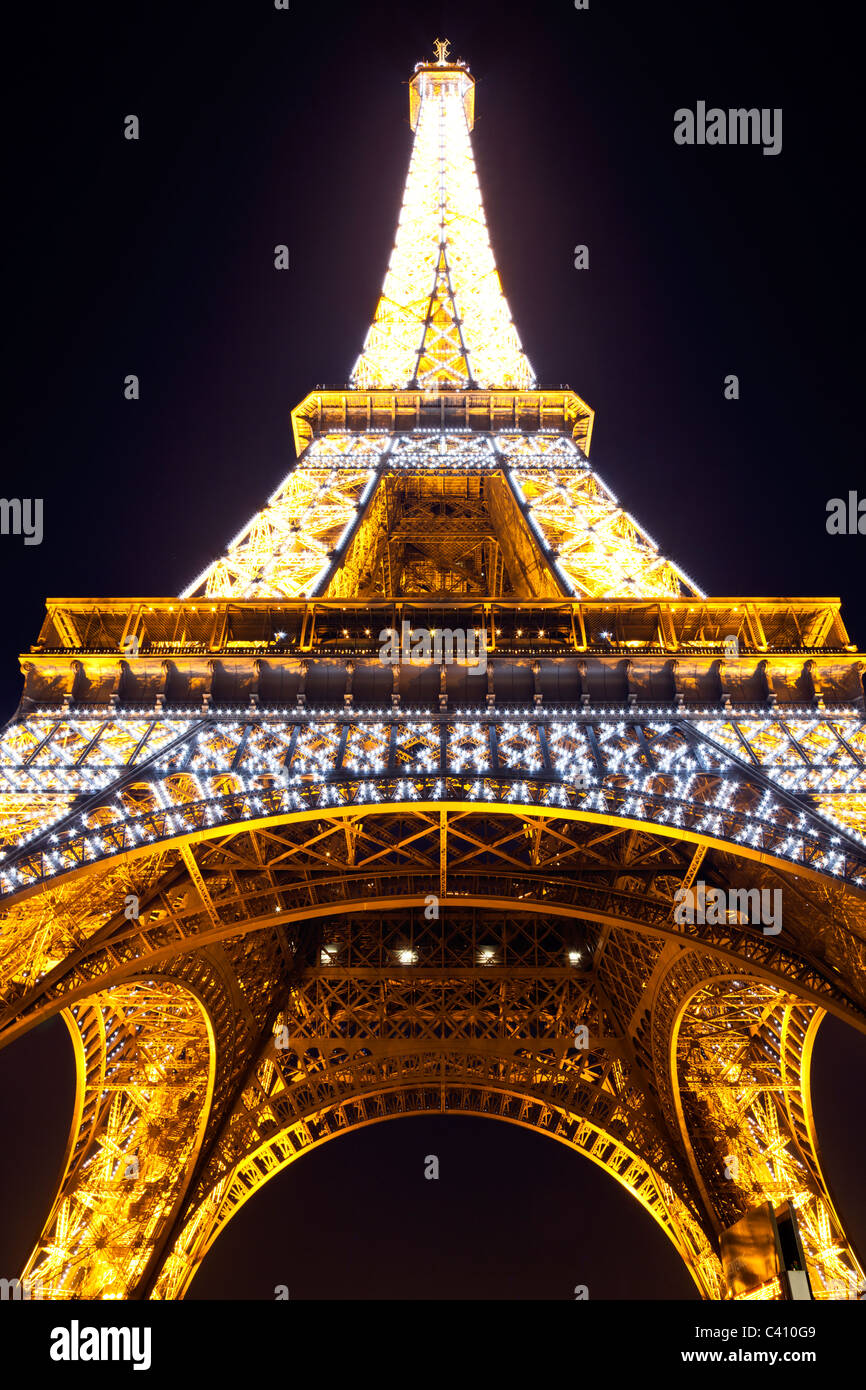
point(279, 889)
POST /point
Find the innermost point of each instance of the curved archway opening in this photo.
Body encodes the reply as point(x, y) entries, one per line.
point(838, 1082)
point(509, 1217)
point(37, 1106)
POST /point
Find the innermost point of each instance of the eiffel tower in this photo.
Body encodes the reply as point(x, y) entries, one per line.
point(280, 886)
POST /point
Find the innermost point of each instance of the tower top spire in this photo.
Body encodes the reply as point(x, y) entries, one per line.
point(442, 321)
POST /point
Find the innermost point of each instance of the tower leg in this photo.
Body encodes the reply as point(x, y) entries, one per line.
point(144, 1058)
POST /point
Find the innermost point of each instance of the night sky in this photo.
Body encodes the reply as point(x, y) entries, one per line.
point(261, 127)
